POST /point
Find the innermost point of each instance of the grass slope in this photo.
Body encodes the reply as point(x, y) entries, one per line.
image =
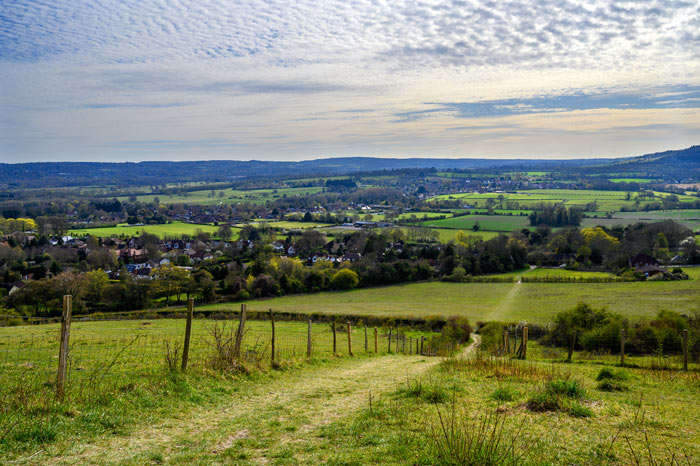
point(533, 302)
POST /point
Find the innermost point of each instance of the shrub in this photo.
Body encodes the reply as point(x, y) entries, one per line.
point(345, 279)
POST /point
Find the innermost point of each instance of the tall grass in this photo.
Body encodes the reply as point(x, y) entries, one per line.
point(487, 440)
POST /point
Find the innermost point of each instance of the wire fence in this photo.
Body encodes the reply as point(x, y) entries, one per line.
point(101, 352)
point(657, 350)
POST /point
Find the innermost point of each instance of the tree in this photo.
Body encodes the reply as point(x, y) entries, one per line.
point(345, 279)
point(171, 280)
point(225, 232)
point(310, 241)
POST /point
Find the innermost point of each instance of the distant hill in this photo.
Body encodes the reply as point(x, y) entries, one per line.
point(676, 165)
point(672, 165)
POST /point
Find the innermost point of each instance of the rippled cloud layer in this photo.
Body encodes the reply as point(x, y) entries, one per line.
point(89, 80)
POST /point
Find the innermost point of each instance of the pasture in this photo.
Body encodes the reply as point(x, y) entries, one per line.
point(227, 196)
point(526, 302)
point(605, 200)
point(166, 230)
point(504, 223)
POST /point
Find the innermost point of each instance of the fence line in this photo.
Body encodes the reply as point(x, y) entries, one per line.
point(78, 353)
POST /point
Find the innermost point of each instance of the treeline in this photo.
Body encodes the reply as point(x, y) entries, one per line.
point(556, 216)
point(598, 330)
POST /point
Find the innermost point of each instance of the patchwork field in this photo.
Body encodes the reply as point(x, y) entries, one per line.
point(228, 196)
point(606, 200)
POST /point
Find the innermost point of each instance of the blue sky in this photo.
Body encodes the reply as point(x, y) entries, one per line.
point(280, 80)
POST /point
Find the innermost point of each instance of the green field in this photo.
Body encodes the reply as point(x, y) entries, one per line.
point(631, 180)
point(167, 230)
point(227, 196)
point(606, 200)
point(286, 224)
point(505, 223)
point(529, 302)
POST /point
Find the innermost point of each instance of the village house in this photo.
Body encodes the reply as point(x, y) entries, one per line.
point(645, 264)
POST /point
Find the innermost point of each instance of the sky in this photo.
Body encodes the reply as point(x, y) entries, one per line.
point(92, 80)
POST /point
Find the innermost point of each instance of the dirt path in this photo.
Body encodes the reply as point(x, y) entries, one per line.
point(505, 303)
point(305, 399)
point(286, 412)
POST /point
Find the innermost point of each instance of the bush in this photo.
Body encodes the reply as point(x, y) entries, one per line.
point(491, 336)
point(345, 279)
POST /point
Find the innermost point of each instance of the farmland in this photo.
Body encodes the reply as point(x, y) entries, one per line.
point(529, 302)
point(505, 223)
point(168, 230)
point(227, 196)
point(605, 200)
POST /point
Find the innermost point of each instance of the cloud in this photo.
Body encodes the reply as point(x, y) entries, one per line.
point(655, 98)
point(312, 74)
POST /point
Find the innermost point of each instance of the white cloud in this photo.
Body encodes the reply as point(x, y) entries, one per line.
point(80, 75)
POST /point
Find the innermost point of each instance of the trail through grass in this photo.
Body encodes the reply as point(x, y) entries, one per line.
point(271, 420)
point(501, 311)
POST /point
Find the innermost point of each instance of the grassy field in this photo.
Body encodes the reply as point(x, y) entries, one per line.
point(227, 196)
point(167, 230)
point(382, 409)
point(606, 200)
point(528, 302)
point(631, 180)
point(505, 223)
point(288, 225)
point(432, 418)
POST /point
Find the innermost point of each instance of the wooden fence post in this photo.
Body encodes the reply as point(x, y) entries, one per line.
point(349, 339)
point(410, 346)
point(685, 349)
point(376, 340)
point(335, 347)
point(525, 342)
point(63, 350)
point(622, 347)
point(239, 333)
point(390, 329)
point(571, 346)
point(366, 342)
point(507, 342)
point(188, 334)
point(421, 345)
point(403, 344)
point(397, 340)
point(272, 340)
point(308, 341)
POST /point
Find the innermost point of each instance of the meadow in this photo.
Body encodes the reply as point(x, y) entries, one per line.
point(504, 223)
point(166, 230)
point(514, 302)
point(606, 200)
point(227, 196)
